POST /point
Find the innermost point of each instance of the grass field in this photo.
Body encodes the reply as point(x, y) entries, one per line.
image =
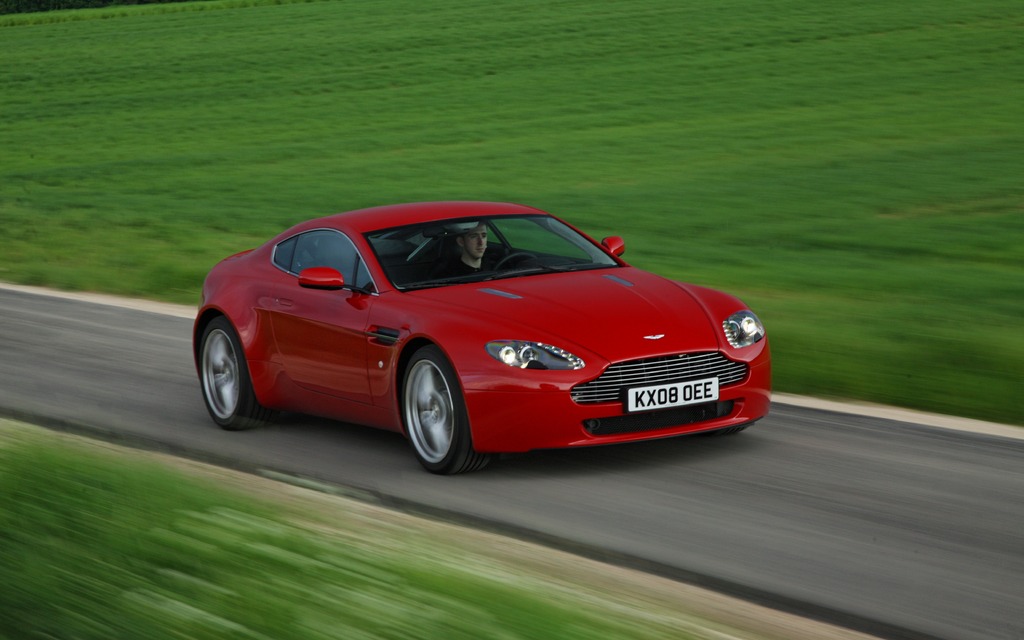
point(102, 543)
point(98, 545)
point(852, 170)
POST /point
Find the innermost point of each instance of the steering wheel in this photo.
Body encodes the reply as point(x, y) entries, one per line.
point(511, 256)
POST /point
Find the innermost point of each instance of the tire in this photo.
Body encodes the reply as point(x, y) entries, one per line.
point(224, 378)
point(435, 417)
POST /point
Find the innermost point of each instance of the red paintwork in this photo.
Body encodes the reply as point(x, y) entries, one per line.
point(309, 350)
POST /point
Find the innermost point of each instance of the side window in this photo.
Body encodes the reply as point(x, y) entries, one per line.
point(323, 248)
point(363, 279)
point(283, 253)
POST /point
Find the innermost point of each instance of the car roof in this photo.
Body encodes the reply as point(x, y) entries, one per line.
point(395, 215)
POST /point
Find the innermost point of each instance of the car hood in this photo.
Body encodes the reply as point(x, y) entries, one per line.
point(615, 313)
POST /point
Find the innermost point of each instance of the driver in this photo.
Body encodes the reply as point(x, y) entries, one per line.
point(472, 246)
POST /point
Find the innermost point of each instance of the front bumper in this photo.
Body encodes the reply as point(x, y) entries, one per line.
point(509, 421)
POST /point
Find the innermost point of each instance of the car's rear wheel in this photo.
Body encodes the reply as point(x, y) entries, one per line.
point(435, 415)
point(224, 377)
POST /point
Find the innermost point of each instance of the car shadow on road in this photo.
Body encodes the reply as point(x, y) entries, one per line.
point(629, 457)
point(322, 440)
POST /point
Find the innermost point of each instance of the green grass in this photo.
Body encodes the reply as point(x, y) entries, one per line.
point(106, 544)
point(852, 170)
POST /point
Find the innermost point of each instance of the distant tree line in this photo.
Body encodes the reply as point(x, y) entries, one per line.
point(31, 6)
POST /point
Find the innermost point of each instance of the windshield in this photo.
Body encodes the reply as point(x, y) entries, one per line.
point(446, 252)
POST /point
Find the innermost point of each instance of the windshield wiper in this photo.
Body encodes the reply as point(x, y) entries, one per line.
point(439, 282)
point(545, 268)
point(486, 276)
point(579, 266)
point(521, 271)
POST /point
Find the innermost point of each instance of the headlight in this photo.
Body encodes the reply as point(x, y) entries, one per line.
point(743, 329)
point(532, 355)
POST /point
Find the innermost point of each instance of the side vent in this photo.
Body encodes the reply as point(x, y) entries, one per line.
point(384, 335)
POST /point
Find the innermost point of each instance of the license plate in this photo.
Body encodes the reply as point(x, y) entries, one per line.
point(678, 394)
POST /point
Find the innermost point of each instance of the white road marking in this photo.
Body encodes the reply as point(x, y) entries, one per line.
point(903, 415)
point(164, 308)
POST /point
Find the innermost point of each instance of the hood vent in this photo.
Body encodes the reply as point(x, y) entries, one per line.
point(502, 294)
point(622, 281)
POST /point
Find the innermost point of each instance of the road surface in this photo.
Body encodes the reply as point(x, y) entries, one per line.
point(898, 529)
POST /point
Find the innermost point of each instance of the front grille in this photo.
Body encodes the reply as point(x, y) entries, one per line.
point(612, 384)
point(650, 421)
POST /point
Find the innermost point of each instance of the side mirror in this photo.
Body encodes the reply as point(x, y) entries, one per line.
point(615, 245)
point(327, 278)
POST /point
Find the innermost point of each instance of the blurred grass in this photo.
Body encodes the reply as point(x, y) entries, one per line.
point(99, 543)
point(852, 170)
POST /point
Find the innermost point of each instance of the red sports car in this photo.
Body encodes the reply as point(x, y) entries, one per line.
point(474, 328)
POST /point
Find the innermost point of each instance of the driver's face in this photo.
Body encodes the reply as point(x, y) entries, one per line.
point(474, 241)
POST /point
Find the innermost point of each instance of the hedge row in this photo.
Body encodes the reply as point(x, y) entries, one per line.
point(32, 6)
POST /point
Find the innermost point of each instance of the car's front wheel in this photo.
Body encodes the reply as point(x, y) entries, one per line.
point(224, 377)
point(435, 415)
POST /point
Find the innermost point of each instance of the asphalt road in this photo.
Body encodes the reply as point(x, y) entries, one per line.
point(897, 529)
